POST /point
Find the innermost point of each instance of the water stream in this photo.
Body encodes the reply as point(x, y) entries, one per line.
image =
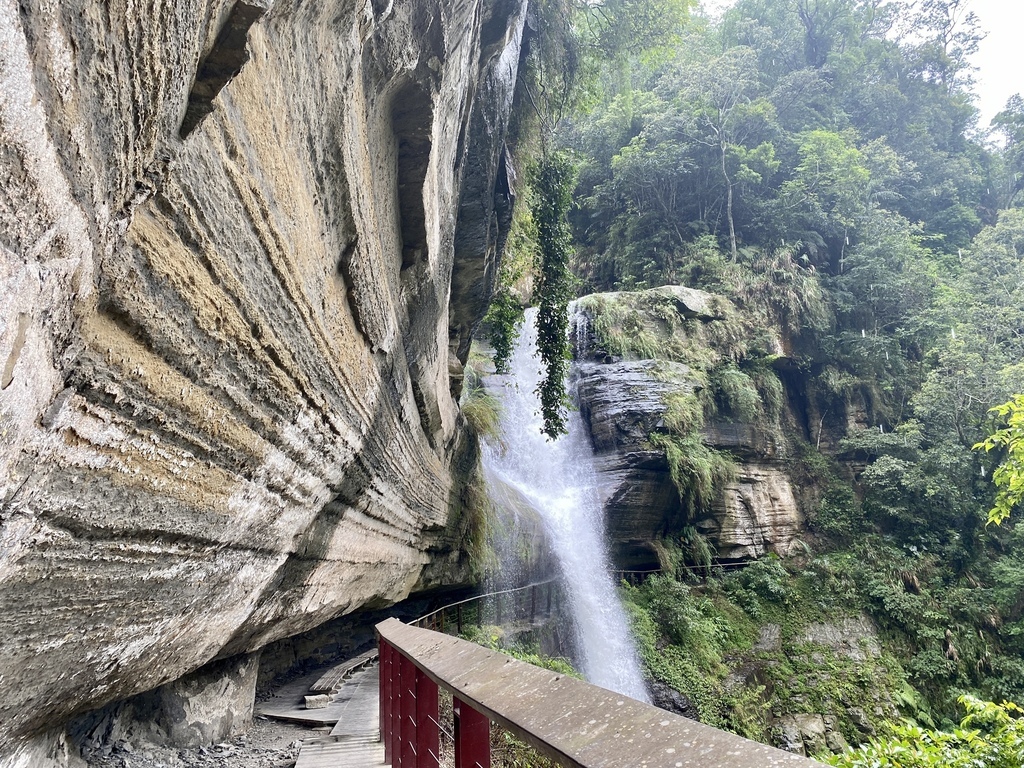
point(558, 479)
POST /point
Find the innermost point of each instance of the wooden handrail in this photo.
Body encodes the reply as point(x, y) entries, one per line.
point(573, 722)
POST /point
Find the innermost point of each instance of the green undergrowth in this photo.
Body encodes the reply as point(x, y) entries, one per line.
point(524, 649)
point(647, 325)
point(737, 646)
point(482, 411)
point(989, 736)
point(868, 634)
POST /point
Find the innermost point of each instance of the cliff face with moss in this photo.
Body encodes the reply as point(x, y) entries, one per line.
point(684, 395)
point(243, 245)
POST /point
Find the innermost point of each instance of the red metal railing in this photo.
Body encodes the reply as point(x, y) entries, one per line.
point(409, 725)
point(576, 724)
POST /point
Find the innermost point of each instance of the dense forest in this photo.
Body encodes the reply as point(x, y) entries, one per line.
point(821, 163)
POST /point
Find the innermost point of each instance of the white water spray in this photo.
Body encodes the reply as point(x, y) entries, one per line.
point(559, 480)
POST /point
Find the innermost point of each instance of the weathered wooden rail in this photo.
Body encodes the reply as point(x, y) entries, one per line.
point(576, 724)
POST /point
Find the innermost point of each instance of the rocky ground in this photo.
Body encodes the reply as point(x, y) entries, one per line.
point(266, 744)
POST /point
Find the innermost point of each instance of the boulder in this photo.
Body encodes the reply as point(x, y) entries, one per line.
point(671, 700)
point(690, 302)
point(804, 734)
point(855, 637)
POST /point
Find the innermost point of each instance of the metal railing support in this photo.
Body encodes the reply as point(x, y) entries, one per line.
point(428, 735)
point(472, 737)
point(387, 700)
point(406, 753)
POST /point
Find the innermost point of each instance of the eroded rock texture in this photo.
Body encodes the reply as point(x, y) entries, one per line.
point(227, 235)
point(624, 402)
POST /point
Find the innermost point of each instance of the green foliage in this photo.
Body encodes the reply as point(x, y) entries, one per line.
point(990, 736)
point(555, 181)
point(697, 470)
point(681, 638)
point(478, 519)
point(763, 581)
point(1010, 123)
point(1009, 475)
point(736, 397)
point(637, 326)
point(684, 412)
point(503, 318)
point(691, 637)
point(481, 409)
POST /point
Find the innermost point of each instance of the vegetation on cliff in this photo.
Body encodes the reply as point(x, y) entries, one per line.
point(820, 164)
point(989, 735)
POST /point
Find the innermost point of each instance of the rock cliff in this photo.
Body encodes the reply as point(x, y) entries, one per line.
point(637, 354)
point(229, 235)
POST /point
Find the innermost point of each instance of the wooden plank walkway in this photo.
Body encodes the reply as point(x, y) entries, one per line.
point(359, 702)
point(355, 740)
point(348, 753)
point(334, 679)
point(289, 704)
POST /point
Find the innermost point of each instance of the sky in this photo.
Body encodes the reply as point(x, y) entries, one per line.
point(1000, 58)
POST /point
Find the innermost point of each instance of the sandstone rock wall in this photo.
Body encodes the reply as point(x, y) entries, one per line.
point(624, 401)
point(226, 252)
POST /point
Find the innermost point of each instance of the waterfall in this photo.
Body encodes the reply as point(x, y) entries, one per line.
point(559, 480)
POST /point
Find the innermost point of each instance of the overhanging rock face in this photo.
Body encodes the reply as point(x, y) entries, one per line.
point(226, 250)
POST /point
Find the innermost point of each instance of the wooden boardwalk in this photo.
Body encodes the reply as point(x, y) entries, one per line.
point(355, 740)
point(289, 704)
point(336, 676)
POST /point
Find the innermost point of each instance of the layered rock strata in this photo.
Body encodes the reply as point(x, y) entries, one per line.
point(624, 402)
point(227, 235)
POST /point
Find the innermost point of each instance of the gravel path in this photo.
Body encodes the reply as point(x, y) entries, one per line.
point(266, 744)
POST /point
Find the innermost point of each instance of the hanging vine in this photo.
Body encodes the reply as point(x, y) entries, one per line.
point(556, 180)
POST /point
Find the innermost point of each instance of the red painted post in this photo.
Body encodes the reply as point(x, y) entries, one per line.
point(382, 668)
point(472, 737)
point(394, 719)
point(386, 697)
point(407, 753)
point(428, 739)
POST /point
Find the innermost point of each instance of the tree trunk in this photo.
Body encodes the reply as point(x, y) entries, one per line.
point(728, 206)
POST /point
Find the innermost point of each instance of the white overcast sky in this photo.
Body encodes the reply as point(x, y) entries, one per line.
point(1000, 59)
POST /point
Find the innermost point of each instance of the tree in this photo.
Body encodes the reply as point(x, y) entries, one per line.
point(990, 736)
point(723, 107)
point(1009, 475)
point(954, 38)
point(1010, 123)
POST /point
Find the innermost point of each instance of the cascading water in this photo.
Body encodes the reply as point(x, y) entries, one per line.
point(559, 481)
